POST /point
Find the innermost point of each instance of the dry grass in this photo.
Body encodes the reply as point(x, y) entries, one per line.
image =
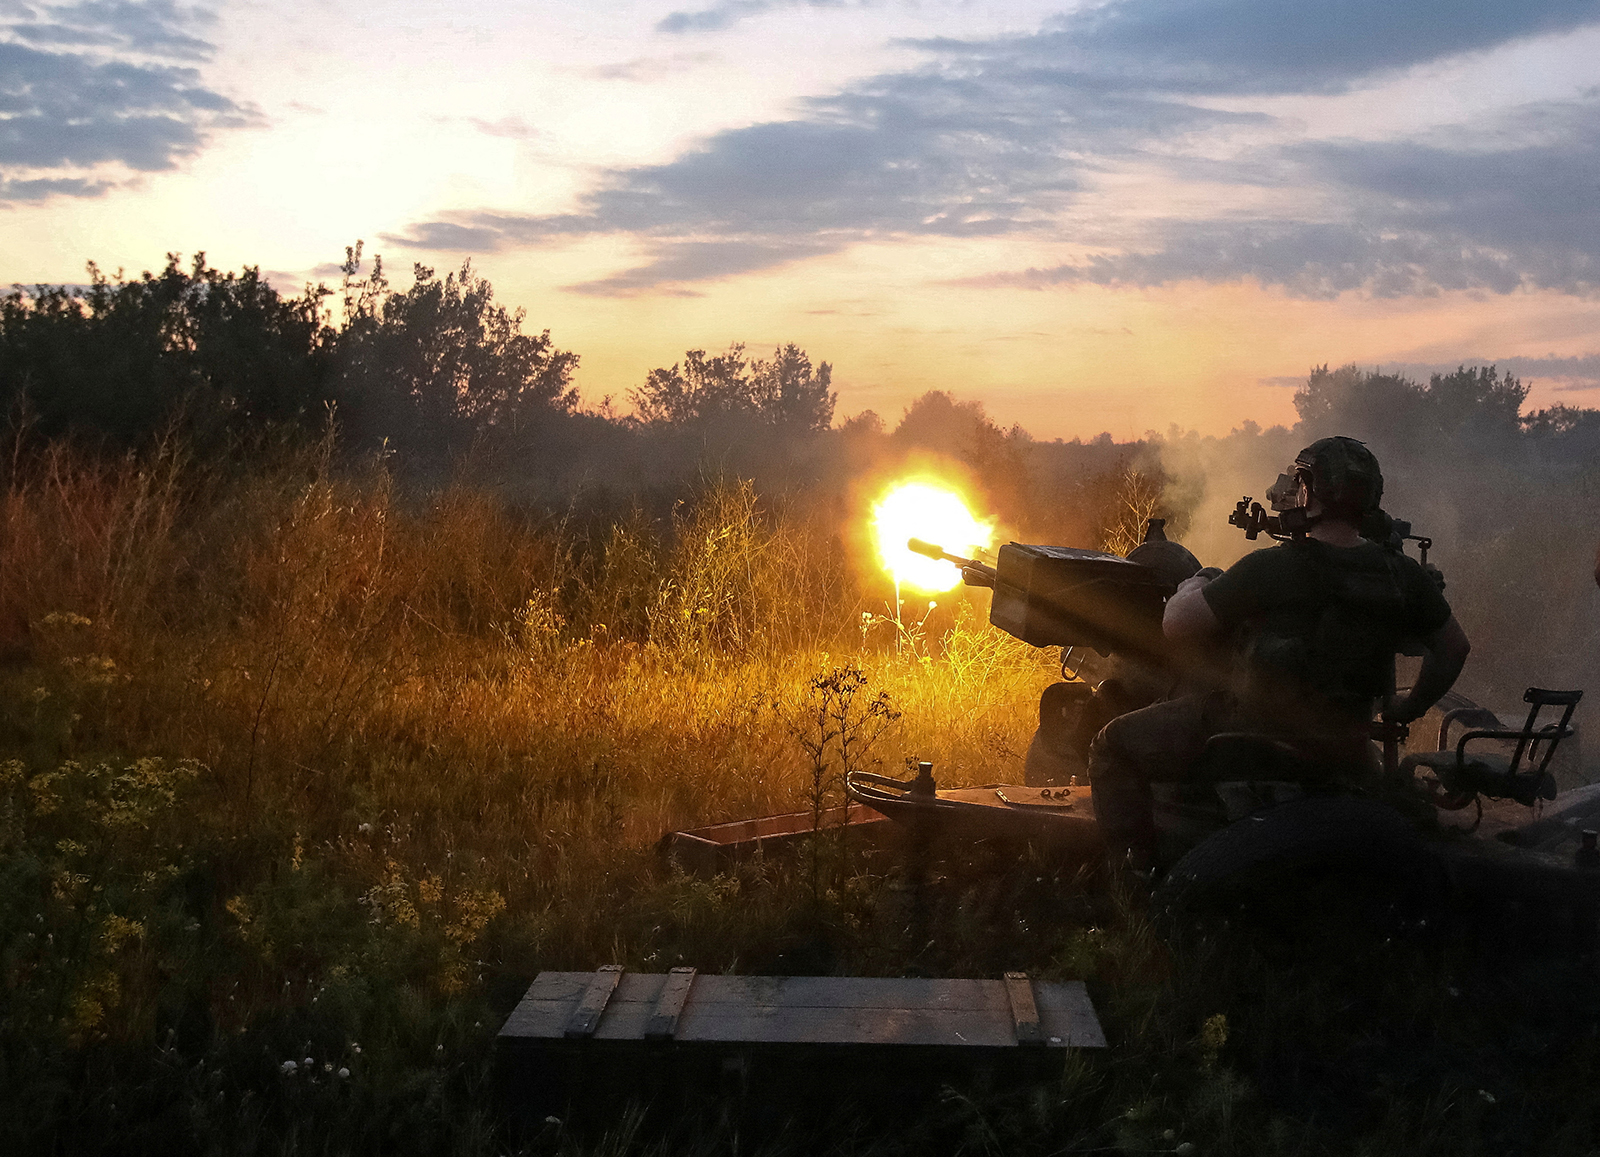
point(294, 766)
point(466, 726)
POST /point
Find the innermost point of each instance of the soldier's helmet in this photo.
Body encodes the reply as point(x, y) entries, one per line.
point(1343, 475)
point(1171, 560)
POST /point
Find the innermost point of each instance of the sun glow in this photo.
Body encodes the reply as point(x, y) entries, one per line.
point(930, 511)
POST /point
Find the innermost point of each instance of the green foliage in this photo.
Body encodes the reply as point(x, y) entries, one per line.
point(837, 727)
point(1466, 405)
point(736, 579)
point(431, 368)
point(1576, 431)
point(786, 392)
point(294, 766)
point(89, 855)
point(222, 353)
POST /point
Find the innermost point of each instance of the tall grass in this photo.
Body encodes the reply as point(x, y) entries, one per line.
point(423, 741)
point(296, 767)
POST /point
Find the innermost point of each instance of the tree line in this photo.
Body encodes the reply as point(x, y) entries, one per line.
point(427, 371)
point(441, 373)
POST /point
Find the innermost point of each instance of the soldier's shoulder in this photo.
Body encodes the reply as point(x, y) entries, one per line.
point(1277, 554)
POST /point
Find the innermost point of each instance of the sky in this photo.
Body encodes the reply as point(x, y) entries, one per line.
point(1089, 216)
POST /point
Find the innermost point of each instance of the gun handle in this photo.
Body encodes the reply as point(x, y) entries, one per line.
point(976, 574)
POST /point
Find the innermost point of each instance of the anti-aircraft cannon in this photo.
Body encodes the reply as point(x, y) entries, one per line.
point(1465, 823)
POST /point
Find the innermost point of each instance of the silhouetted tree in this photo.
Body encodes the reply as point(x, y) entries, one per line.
point(1359, 403)
point(1476, 403)
point(1476, 400)
point(430, 368)
point(792, 394)
point(787, 392)
point(704, 389)
point(999, 458)
point(121, 359)
point(938, 421)
point(1572, 432)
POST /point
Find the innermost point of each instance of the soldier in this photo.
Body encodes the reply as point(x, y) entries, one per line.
point(1311, 627)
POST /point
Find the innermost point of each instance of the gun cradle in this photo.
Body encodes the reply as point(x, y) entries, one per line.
point(1057, 596)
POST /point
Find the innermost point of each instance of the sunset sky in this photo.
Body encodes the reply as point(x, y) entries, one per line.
point(1100, 216)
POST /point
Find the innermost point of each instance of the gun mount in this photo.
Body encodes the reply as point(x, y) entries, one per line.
point(1058, 596)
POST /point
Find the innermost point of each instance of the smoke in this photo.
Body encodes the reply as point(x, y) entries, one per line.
point(1512, 505)
point(1205, 477)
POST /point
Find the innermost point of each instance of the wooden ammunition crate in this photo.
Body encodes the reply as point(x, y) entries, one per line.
point(799, 1044)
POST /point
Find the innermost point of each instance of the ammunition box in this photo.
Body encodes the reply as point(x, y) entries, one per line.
point(1056, 596)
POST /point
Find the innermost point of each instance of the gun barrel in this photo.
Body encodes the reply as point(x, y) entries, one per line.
point(973, 572)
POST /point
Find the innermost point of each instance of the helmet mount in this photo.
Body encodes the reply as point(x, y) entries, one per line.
point(1335, 478)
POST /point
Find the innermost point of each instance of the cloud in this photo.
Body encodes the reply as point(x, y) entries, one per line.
point(1575, 373)
point(915, 154)
point(1525, 184)
point(153, 27)
point(45, 187)
point(92, 90)
point(1507, 207)
point(1270, 46)
point(508, 127)
point(684, 262)
point(1316, 260)
point(644, 69)
point(1002, 137)
point(446, 236)
point(485, 232)
point(730, 12)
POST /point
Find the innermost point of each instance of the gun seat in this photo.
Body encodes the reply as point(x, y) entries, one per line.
point(1248, 755)
point(1461, 777)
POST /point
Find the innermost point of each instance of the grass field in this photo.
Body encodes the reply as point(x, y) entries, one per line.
point(305, 779)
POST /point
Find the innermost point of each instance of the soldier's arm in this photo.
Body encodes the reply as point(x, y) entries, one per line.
point(1445, 654)
point(1188, 617)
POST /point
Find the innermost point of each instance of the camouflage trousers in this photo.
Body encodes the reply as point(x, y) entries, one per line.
point(1156, 744)
point(1164, 743)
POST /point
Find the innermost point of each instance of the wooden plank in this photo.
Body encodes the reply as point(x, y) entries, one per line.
point(553, 998)
point(1067, 1016)
point(668, 1006)
point(810, 1010)
point(848, 1026)
point(851, 992)
point(1024, 1014)
point(587, 1016)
